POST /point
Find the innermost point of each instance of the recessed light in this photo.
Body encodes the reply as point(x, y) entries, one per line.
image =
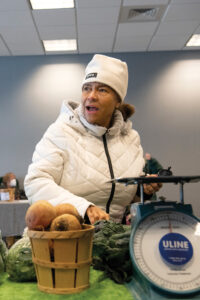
point(60, 45)
point(51, 4)
point(194, 41)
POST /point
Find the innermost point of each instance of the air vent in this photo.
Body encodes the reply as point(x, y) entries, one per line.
point(141, 14)
point(136, 12)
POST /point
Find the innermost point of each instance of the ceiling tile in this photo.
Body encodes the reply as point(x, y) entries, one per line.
point(144, 2)
point(95, 45)
point(54, 17)
point(197, 30)
point(179, 12)
point(99, 30)
point(57, 32)
point(102, 15)
point(26, 47)
point(184, 1)
point(15, 18)
point(177, 27)
point(3, 50)
point(168, 42)
point(24, 42)
point(19, 35)
point(138, 43)
point(14, 5)
point(137, 28)
point(97, 3)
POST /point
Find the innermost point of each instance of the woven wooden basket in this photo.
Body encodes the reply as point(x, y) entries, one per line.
point(62, 259)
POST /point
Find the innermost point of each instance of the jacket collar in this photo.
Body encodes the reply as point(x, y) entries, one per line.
point(74, 111)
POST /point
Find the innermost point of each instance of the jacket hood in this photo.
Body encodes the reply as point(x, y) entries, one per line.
point(72, 112)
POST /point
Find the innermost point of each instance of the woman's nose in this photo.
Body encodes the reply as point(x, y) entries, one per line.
point(92, 93)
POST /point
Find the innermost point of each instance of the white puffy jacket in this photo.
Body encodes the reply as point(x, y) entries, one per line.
point(70, 163)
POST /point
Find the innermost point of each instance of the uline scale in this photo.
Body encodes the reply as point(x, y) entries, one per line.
point(164, 245)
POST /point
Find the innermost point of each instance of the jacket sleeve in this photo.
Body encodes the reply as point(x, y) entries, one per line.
point(44, 175)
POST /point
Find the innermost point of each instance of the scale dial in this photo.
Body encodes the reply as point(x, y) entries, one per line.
point(165, 249)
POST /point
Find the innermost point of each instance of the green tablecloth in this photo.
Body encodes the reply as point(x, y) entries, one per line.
point(101, 288)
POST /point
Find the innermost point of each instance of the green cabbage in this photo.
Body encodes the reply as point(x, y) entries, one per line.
point(3, 255)
point(19, 265)
point(3, 250)
point(1, 265)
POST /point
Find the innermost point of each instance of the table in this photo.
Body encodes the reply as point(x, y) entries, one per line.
point(101, 288)
point(12, 217)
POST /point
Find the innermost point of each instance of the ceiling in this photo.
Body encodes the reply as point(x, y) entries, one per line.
point(100, 26)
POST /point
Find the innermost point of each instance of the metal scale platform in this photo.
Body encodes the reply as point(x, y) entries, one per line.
point(164, 244)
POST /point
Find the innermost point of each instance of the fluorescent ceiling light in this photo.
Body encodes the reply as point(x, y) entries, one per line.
point(60, 45)
point(194, 41)
point(51, 4)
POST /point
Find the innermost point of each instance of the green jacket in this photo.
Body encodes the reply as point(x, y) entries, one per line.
point(152, 166)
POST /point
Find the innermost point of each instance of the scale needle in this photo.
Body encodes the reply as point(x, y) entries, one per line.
point(170, 225)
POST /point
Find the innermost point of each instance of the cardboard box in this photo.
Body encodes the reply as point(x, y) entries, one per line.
point(7, 194)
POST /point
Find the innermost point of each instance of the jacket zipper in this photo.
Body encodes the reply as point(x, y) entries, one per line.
point(111, 173)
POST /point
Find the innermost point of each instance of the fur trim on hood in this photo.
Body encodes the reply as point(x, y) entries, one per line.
point(127, 110)
point(73, 109)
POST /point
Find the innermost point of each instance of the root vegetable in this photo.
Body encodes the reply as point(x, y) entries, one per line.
point(66, 208)
point(65, 222)
point(39, 215)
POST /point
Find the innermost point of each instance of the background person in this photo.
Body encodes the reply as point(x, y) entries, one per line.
point(152, 165)
point(9, 180)
point(89, 144)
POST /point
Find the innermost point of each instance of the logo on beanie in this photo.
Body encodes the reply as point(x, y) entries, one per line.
point(91, 75)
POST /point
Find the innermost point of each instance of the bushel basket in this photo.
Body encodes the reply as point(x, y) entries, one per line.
point(62, 259)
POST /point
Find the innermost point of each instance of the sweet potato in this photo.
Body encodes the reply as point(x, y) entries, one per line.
point(65, 222)
point(39, 215)
point(66, 208)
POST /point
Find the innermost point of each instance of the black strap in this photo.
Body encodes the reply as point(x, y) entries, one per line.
point(111, 174)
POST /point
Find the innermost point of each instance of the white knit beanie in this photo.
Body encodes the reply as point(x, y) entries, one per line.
point(110, 71)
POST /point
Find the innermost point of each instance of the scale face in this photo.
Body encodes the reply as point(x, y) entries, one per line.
point(165, 250)
point(164, 243)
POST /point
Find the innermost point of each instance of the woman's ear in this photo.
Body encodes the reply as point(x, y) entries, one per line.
point(117, 105)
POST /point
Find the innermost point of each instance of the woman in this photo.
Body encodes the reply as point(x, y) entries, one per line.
point(89, 144)
point(9, 180)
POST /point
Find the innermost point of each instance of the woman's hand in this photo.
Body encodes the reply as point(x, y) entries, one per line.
point(95, 213)
point(151, 188)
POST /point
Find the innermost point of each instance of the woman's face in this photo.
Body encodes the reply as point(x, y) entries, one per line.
point(99, 102)
point(10, 180)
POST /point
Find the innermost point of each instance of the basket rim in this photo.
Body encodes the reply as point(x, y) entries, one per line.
point(87, 229)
